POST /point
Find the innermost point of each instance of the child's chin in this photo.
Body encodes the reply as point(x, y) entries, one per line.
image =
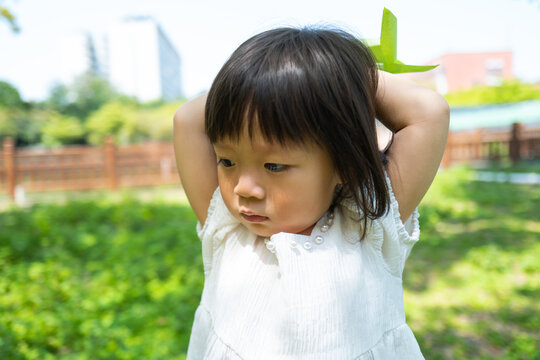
point(266, 233)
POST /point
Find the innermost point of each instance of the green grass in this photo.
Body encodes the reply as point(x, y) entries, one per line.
point(472, 283)
point(164, 193)
point(120, 276)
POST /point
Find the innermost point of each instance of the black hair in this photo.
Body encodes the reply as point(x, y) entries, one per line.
point(306, 85)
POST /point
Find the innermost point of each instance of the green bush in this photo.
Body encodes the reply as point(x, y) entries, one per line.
point(61, 130)
point(508, 92)
point(98, 280)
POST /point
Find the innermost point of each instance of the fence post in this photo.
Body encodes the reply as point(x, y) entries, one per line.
point(110, 163)
point(515, 142)
point(478, 145)
point(9, 164)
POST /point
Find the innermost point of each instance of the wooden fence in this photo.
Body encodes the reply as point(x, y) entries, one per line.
point(86, 167)
point(112, 167)
point(492, 144)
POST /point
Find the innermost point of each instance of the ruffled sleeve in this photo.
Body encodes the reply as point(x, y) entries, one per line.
point(390, 238)
point(219, 222)
point(396, 237)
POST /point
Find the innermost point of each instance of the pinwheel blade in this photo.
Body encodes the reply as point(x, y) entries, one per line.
point(385, 52)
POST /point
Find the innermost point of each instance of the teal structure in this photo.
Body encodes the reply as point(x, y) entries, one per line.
point(493, 116)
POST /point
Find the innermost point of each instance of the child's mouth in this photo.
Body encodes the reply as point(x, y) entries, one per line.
point(254, 218)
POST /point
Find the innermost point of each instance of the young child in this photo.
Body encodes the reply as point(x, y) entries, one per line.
point(305, 225)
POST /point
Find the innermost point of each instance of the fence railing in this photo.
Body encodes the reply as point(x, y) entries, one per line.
point(112, 167)
point(517, 143)
point(86, 167)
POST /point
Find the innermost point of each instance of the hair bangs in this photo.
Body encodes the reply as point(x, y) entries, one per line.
point(268, 98)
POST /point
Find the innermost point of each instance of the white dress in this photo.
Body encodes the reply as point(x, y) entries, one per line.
point(339, 298)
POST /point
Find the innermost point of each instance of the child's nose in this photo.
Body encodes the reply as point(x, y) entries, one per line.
point(248, 187)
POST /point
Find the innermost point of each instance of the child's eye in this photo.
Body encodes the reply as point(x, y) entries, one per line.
point(275, 167)
point(226, 162)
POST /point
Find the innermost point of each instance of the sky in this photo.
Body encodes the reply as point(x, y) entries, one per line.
point(206, 32)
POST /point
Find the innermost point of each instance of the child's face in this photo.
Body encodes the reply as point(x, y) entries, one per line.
point(273, 189)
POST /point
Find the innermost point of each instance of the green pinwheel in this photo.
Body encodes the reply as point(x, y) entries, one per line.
point(385, 51)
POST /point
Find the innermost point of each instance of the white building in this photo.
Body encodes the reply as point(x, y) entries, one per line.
point(101, 49)
point(78, 56)
point(142, 61)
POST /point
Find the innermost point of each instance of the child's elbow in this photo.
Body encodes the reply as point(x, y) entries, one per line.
point(190, 116)
point(439, 110)
point(444, 110)
point(178, 123)
point(183, 124)
point(180, 116)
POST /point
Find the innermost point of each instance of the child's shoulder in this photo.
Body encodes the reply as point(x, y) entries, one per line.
point(391, 223)
point(219, 221)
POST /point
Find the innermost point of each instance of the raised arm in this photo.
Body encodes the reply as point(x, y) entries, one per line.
point(419, 117)
point(195, 157)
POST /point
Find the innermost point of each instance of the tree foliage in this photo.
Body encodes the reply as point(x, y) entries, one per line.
point(5, 14)
point(156, 122)
point(31, 125)
point(22, 124)
point(507, 92)
point(83, 112)
point(61, 129)
point(86, 94)
point(7, 125)
point(115, 118)
point(9, 96)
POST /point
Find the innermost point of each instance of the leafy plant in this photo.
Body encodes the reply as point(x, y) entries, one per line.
point(113, 118)
point(509, 91)
point(61, 130)
point(9, 96)
point(98, 280)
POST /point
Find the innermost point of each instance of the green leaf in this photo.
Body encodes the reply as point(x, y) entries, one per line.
point(385, 51)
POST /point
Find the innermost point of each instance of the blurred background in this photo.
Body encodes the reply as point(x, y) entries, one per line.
point(98, 253)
